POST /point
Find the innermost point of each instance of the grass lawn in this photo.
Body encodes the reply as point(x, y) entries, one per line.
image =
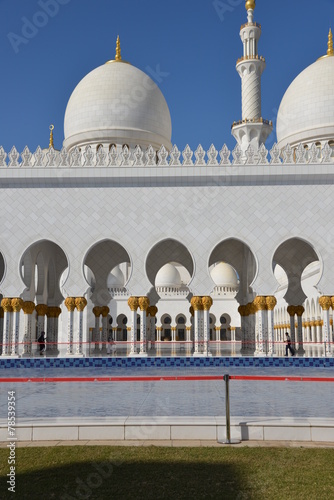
point(102, 472)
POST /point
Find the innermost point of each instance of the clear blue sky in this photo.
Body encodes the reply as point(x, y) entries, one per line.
point(193, 42)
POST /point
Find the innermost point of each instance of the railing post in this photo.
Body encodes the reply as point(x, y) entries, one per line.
point(227, 408)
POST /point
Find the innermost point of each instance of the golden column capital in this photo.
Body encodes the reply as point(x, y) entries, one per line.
point(144, 303)
point(330, 321)
point(6, 303)
point(332, 300)
point(28, 307)
point(291, 310)
point(196, 303)
point(260, 303)
point(243, 310)
point(57, 312)
point(271, 302)
point(51, 312)
point(191, 310)
point(70, 303)
point(41, 309)
point(318, 322)
point(133, 303)
point(17, 303)
point(80, 303)
point(207, 302)
point(152, 311)
point(325, 302)
point(300, 311)
point(105, 311)
point(96, 311)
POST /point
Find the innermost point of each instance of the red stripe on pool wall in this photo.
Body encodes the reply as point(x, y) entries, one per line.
point(281, 378)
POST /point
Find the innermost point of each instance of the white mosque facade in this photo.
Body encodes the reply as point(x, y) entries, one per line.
point(122, 235)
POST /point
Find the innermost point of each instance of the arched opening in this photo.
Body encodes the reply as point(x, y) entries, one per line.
point(107, 269)
point(239, 256)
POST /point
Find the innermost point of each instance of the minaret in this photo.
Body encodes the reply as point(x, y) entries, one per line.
point(252, 129)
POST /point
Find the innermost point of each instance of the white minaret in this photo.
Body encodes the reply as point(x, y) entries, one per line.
point(252, 129)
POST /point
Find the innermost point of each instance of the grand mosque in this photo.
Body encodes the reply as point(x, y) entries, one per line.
point(125, 244)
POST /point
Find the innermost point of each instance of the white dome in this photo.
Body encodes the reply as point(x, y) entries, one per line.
point(115, 278)
point(168, 276)
point(306, 113)
point(117, 104)
point(224, 275)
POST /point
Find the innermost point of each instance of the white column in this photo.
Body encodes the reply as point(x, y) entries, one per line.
point(144, 304)
point(207, 303)
point(70, 305)
point(325, 303)
point(261, 305)
point(41, 310)
point(17, 303)
point(104, 311)
point(96, 333)
point(292, 311)
point(6, 304)
point(196, 303)
point(271, 303)
point(80, 304)
point(299, 312)
point(133, 304)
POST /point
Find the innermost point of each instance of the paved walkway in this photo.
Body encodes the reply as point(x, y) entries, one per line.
point(176, 444)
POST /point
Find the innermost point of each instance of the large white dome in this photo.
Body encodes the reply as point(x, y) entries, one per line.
point(117, 104)
point(306, 113)
point(168, 276)
point(224, 275)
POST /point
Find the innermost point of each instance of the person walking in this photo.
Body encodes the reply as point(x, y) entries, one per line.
point(288, 346)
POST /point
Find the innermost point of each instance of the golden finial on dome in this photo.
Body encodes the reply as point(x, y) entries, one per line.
point(51, 144)
point(118, 56)
point(250, 4)
point(330, 50)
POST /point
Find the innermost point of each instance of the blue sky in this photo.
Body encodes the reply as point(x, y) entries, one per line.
point(194, 43)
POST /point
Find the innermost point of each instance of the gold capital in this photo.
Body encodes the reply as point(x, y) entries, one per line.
point(300, 311)
point(196, 302)
point(70, 303)
point(105, 311)
point(291, 310)
point(144, 303)
point(325, 302)
point(133, 303)
point(6, 303)
point(207, 302)
point(80, 303)
point(260, 303)
point(17, 303)
point(28, 307)
point(271, 302)
point(152, 311)
point(41, 309)
point(96, 311)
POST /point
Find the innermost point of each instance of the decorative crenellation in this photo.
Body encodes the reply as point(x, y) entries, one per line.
point(89, 157)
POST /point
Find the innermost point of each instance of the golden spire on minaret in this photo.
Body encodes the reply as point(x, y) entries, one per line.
point(250, 4)
point(118, 56)
point(330, 50)
point(51, 144)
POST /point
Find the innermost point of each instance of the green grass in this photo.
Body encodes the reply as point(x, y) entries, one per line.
point(101, 472)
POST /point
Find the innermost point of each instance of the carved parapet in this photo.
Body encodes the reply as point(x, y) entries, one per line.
point(80, 303)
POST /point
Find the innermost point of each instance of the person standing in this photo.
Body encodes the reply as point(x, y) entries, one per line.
point(288, 346)
point(41, 341)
